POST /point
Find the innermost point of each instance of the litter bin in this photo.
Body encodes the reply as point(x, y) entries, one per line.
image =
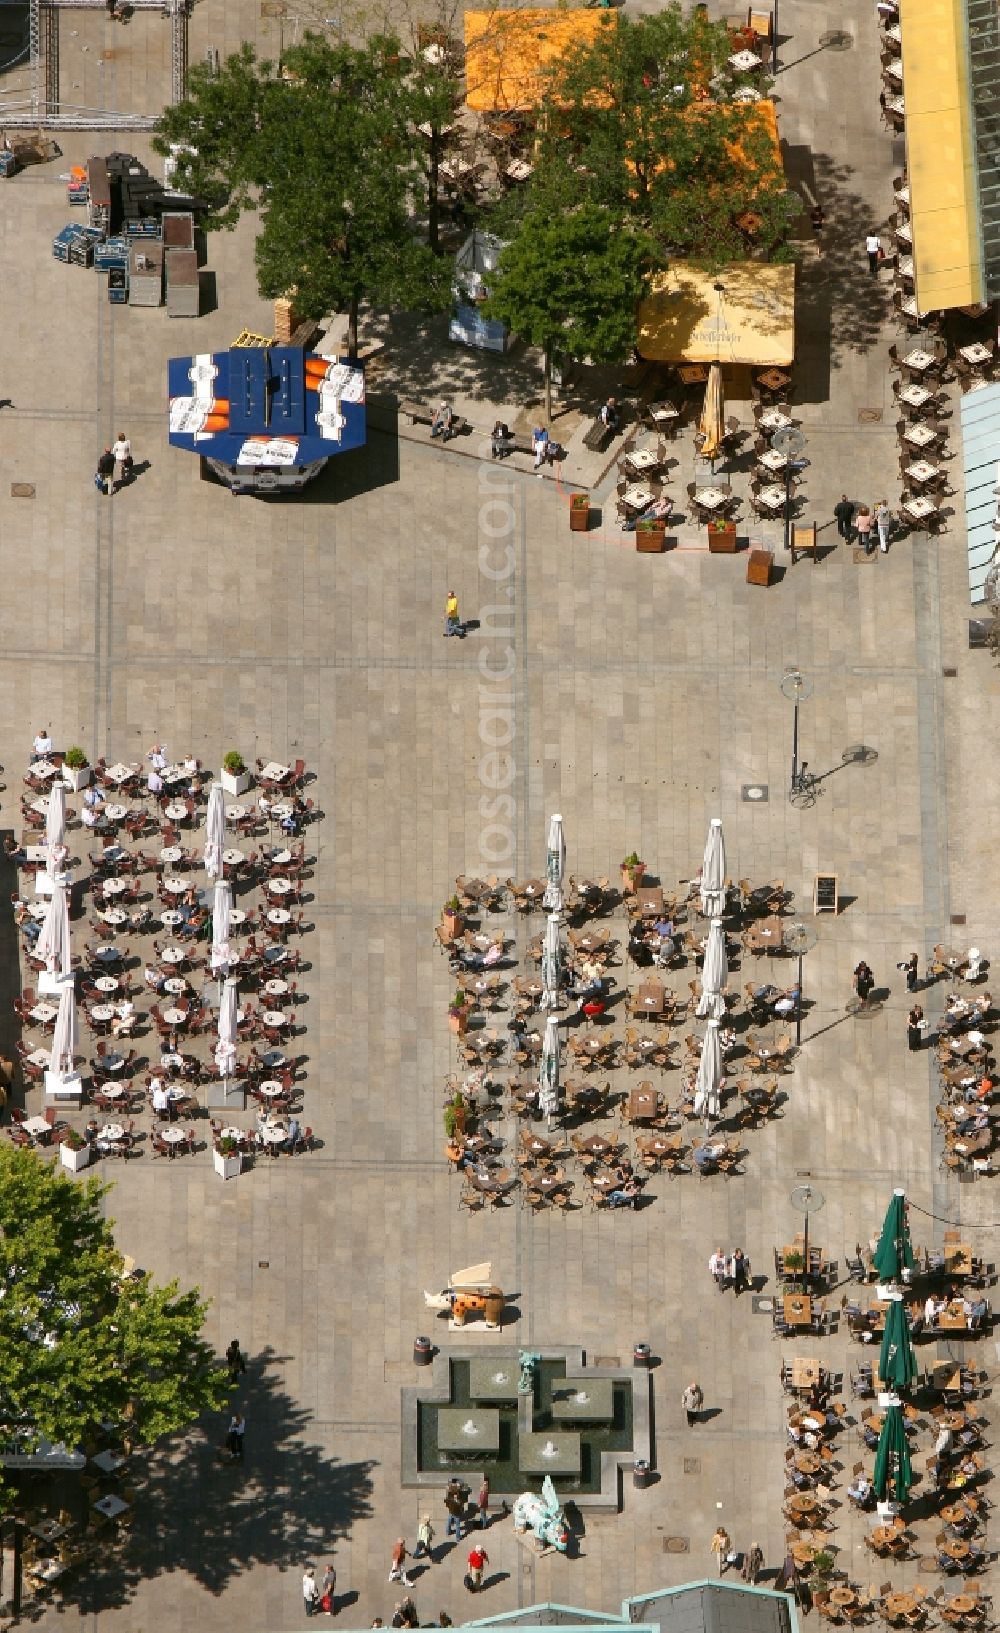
point(423, 1352)
point(641, 1355)
point(642, 1474)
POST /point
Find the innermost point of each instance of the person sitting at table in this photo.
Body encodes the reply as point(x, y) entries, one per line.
point(659, 509)
point(42, 744)
point(443, 422)
point(625, 1195)
point(154, 782)
point(124, 1018)
point(294, 818)
point(818, 1396)
point(787, 1002)
point(707, 1157)
point(154, 978)
point(978, 1312)
point(91, 1131)
point(30, 929)
point(870, 1437)
point(932, 1309)
point(944, 1443)
point(972, 1122)
point(93, 806)
point(293, 1138)
point(860, 1492)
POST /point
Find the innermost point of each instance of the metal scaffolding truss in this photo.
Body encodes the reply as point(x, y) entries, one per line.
point(43, 50)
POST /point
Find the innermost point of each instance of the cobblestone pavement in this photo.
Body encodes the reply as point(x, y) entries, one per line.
point(639, 694)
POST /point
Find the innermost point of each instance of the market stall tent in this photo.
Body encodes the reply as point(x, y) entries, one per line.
point(508, 54)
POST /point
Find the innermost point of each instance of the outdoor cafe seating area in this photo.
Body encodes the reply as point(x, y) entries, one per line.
point(147, 985)
point(630, 1041)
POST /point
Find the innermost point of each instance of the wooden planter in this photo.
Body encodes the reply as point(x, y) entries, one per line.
point(760, 566)
point(451, 924)
point(459, 1022)
point(579, 513)
point(651, 535)
point(722, 540)
point(632, 877)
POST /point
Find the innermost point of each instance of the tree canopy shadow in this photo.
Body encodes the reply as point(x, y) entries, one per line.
point(197, 1512)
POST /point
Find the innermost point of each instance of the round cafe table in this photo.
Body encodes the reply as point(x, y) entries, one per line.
point(173, 1136)
point(279, 859)
point(273, 1134)
point(114, 916)
point(113, 1091)
point(175, 886)
point(547, 1183)
point(278, 915)
point(176, 810)
point(274, 1018)
point(107, 983)
point(603, 1182)
point(171, 919)
point(658, 1146)
point(534, 887)
point(172, 853)
point(270, 1088)
point(963, 1604)
point(537, 1146)
point(954, 1421)
point(175, 1017)
point(279, 887)
point(276, 988)
point(955, 1548)
point(273, 1058)
point(808, 1463)
point(232, 859)
point(113, 887)
point(842, 1596)
point(113, 1063)
point(803, 1553)
point(236, 917)
point(235, 813)
point(175, 984)
point(173, 1063)
point(107, 954)
point(102, 1012)
point(116, 813)
point(883, 1536)
point(280, 812)
point(112, 1132)
point(173, 955)
point(900, 1604)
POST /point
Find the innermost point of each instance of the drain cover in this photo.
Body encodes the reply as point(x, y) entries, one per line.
point(692, 1465)
point(22, 490)
point(762, 1306)
point(958, 918)
point(676, 1545)
point(607, 1361)
point(870, 416)
point(754, 793)
point(837, 40)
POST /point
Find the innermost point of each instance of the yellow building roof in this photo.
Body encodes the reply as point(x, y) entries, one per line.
point(507, 53)
point(947, 259)
point(686, 319)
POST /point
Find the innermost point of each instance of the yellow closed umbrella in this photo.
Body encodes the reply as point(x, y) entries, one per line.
point(710, 425)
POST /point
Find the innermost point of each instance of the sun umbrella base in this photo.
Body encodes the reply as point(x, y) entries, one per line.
point(63, 1086)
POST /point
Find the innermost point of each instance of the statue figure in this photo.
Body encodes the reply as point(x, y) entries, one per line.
point(527, 1360)
point(470, 1292)
point(543, 1517)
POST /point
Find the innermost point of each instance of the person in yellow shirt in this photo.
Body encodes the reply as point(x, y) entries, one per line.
point(452, 624)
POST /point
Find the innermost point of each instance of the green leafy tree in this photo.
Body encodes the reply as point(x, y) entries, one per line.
point(80, 1341)
point(324, 149)
point(571, 282)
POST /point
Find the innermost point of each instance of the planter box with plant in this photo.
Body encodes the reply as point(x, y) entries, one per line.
point(227, 1158)
point(633, 872)
point(235, 777)
point(459, 1010)
point(722, 538)
point(451, 918)
point(454, 1117)
point(76, 772)
point(651, 535)
point(74, 1151)
point(579, 513)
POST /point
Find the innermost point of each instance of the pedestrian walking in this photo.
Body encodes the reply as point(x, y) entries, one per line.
point(105, 478)
point(425, 1537)
point(455, 1499)
point(478, 1557)
point(122, 450)
point(452, 623)
point(692, 1401)
point(235, 1361)
point(873, 248)
point(909, 969)
point(718, 1268)
point(883, 524)
point(483, 1503)
point(843, 512)
point(863, 528)
point(397, 1568)
point(753, 1563)
point(915, 1028)
point(234, 1439)
point(722, 1547)
point(310, 1592)
point(864, 981)
point(739, 1271)
point(328, 1591)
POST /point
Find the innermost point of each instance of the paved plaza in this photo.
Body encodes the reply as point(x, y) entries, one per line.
point(635, 694)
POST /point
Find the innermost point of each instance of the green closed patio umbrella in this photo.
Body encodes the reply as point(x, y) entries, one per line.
point(894, 1253)
point(893, 1469)
point(897, 1364)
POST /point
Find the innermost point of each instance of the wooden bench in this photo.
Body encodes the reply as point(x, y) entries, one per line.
point(419, 414)
point(599, 436)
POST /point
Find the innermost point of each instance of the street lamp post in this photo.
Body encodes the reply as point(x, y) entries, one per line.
point(799, 938)
point(791, 443)
point(807, 1200)
point(797, 687)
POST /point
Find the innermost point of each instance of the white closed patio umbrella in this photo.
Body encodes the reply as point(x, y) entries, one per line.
point(548, 1076)
point(551, 962)
point(55, 830)
point(707, 1102)
point(215, 831)
point(53, 944)
point(225, 1049)
point(222, 954)
point(713, 872)
point(64, 1034)
point(555, 866)
point(714, 974)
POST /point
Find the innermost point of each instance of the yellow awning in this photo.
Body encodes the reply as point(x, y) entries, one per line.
point(947, 260)
point(508, 53)
point(751, 320)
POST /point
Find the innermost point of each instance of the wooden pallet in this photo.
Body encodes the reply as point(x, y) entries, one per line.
point(246, 338)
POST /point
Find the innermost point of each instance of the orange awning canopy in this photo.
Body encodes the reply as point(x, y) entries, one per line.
point(751, 319)
point(508, 53)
